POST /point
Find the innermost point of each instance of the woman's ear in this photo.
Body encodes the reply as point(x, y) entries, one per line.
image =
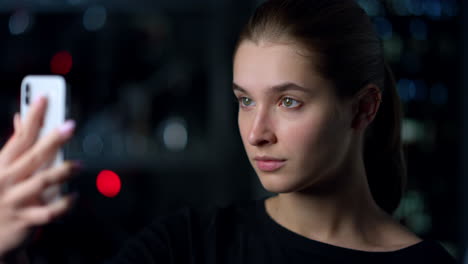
point(365, 106)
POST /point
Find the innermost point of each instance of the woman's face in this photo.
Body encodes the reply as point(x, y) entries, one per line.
point(294, 129)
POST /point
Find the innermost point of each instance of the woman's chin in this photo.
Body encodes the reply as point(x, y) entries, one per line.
point(278, 183)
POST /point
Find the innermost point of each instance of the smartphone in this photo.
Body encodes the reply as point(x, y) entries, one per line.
point(55, 89)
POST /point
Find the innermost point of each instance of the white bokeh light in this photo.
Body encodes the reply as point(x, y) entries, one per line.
point(94, 18)
point(175, 135)
point(19, 22)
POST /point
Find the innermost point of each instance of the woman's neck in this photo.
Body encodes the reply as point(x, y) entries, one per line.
point(340, 212)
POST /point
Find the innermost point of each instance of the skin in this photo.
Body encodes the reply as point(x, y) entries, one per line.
point(22, 183)
point(322, 188)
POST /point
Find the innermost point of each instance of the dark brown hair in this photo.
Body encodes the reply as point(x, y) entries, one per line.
point(351, 56)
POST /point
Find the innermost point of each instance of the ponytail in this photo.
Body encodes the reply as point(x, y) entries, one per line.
point(383, 150)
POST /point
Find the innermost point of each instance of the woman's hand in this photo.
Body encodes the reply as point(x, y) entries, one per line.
point(22, 183)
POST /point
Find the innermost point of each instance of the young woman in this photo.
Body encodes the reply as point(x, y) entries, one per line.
point(320, 118)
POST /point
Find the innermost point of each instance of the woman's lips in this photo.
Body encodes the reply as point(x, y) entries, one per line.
point(270, 165)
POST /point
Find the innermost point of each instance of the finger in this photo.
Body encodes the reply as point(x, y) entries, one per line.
point(34, 119)
point(40, 153)
point(26, 132)
point(33, 187)
point(40, 215)
point(17, 122)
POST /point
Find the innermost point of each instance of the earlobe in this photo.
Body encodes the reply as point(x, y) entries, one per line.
point(360, 121)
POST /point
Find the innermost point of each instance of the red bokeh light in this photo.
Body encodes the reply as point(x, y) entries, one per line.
point(108, 183)
point(61, 63)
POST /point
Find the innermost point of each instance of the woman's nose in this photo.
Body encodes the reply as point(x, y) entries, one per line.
point(261, 132)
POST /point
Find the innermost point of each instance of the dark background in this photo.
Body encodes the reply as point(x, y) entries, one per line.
point(150, 89)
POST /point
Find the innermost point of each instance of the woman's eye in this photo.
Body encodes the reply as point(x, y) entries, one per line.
point(245, 101)
point(289, 102)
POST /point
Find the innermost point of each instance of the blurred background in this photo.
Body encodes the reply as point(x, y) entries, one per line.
point(150, 88)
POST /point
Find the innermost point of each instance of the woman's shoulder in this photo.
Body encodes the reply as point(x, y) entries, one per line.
point(426, 251)
point(411, 247)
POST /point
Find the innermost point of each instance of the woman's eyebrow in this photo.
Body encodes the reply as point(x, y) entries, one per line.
point(288, 86)
point(236, 87)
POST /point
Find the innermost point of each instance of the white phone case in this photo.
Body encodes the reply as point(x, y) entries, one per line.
point(54, 88)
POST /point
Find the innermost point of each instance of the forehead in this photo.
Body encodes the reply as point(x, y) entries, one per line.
point(267, 64)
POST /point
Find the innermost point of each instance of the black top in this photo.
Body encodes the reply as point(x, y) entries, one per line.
point(245, 233)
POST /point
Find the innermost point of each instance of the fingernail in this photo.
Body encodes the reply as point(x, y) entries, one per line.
point(67, 127)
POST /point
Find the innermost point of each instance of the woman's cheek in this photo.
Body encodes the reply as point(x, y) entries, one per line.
point(244, 124)
point(307, 128)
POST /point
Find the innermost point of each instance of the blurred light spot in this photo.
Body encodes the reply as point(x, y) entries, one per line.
point(94, 18)
point(384, 28)
point(393, 48)
point(414, 201)
point(418, 29)
point(108, 183)
point(175, 135)
point(413, 210)
point(433, 8)
point(61, 63)
point(19, 22)
point(420, 223)
point(372, 7)
point(439, 94)
point(406, 89)
point(412, 131)
point(92, 145)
